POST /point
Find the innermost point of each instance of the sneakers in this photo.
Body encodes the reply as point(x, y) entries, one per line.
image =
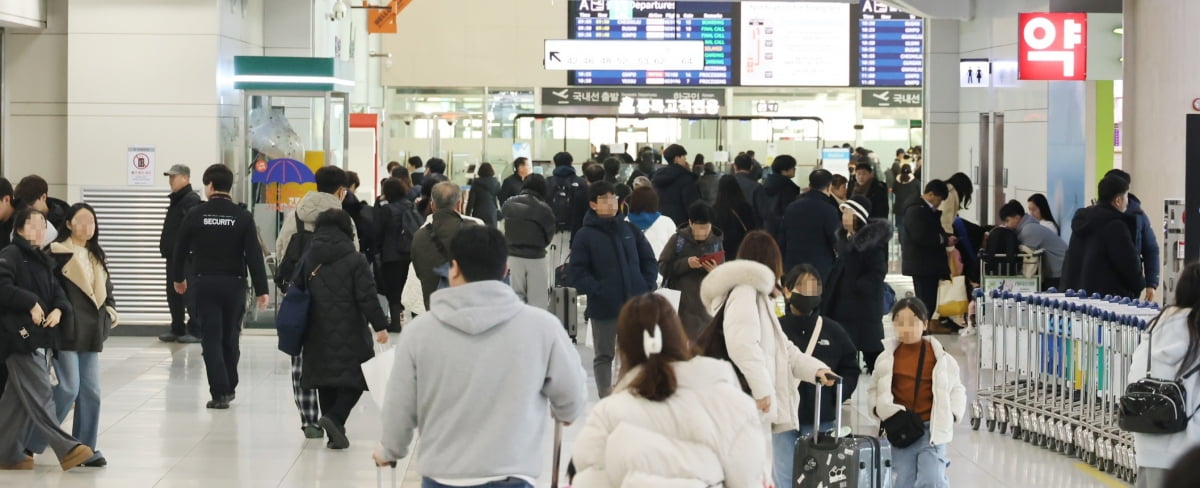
point(25, 465)
point(188, 339)
point(313, 432)
point(76, 457)
point(337, 437)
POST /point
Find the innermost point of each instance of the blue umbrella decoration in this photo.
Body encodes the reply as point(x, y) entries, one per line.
point(281, 171)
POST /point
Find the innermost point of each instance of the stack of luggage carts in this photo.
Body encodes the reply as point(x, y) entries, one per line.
point(1052, 369)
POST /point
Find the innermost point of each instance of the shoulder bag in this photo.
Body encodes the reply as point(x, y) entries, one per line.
point(905, 428)
point(1153, 405)
point(291, 321)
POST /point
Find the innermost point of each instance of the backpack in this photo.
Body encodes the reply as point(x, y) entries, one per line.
point(400, 223)
point(562, 196)
point(292, 256)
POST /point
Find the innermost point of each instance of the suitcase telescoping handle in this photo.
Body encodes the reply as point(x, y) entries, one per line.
point(558, 428)
point(837, 380)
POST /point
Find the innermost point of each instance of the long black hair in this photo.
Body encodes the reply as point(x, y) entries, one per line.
point(962, 184)
point(1039, 200)
point(93, 244)
point(1187, 295)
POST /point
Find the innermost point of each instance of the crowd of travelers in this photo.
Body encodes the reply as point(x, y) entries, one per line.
point(729, 298)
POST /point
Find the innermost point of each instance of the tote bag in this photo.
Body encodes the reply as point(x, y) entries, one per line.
point(292, 318)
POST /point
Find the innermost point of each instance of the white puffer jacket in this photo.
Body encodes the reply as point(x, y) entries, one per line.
point(772, 365)
point(1170, 343)
point(707, 434)
point(949, 394)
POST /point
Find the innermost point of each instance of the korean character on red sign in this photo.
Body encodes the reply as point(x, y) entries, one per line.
point(1052, 46)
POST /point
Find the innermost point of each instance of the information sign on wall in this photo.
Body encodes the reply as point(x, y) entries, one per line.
point(1052, 46)
point(141, 165)
point(872, 97)
point(638, 101)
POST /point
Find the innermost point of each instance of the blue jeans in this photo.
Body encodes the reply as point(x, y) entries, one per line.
point(784, 447)
point(509, 483)
point(921, 465)
point(78, 387)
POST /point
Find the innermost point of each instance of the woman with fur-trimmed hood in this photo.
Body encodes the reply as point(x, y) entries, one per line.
point(854, 293)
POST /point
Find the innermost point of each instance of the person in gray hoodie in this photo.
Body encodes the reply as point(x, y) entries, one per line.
point(479, 345)
point(1036, 236)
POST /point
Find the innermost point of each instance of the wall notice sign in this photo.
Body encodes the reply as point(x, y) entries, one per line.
point(141, 165)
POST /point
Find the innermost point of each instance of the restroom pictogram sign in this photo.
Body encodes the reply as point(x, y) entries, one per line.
point(1052, 46)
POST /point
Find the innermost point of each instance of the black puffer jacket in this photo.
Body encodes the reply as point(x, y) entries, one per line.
point(364, 223)
point(808, 234)
point(529, 225)
point(854, 292)
point(27, 278)
point(182, 202)
point(511, 187)
point(1101, 257)
point(338, 339)
point(780, 191)
point(483, 201)
point(677, 190)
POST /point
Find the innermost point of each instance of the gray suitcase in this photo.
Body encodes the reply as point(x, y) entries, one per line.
point(829, 461)
point(564, 304)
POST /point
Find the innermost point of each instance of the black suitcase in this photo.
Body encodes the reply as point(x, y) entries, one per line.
point(564, 304)
point(830, 461)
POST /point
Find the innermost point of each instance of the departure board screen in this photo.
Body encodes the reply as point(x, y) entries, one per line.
point(711, 22)
point(757, 43)
point(891, 46)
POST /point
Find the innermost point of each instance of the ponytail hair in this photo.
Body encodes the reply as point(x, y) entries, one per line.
point(651, 314)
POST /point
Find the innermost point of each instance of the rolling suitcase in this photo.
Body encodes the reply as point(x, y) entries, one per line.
point(829, 461)
point(564, 304)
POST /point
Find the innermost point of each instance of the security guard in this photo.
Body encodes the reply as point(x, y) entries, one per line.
point(221, 239)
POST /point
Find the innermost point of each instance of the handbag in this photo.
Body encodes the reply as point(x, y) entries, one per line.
point(291, 321)
point(905, 427)
point(952, 297)
point(1153, 405)
point(712, 344)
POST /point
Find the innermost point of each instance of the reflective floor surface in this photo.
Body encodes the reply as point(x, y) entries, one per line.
point(156, 432)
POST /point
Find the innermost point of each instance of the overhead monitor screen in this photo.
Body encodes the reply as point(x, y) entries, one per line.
point(891, 46)
point(711, 22)
point(759, 42)
point(795, 44)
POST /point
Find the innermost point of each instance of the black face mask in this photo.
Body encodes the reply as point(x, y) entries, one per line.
point(804, 303)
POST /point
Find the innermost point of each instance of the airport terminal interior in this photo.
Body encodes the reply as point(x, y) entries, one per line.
point(1051, 148)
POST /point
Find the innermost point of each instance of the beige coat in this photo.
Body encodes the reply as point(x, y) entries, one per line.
point(772, 365)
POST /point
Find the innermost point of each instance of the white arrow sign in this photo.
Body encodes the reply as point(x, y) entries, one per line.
point(586, 54)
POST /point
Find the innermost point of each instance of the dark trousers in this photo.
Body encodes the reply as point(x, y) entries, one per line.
point(336, 403)
point(180, 305)
point(395, 275)
point(221, 303)
point(926, 287)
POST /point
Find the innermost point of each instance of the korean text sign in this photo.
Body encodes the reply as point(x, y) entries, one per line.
point(1052, 46)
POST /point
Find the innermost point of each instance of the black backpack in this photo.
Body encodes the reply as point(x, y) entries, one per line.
point(292, 256)
point(400, 223)
point(562, 196)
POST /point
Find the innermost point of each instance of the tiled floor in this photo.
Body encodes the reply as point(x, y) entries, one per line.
point(156, 432)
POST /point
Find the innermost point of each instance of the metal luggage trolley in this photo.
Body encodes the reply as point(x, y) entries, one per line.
point(1057, 364)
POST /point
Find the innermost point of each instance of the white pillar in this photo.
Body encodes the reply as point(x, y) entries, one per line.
point(1160, 84)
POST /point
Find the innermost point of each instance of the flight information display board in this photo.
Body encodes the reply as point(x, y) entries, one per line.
point(710, 22)
point(891, 46)
point(759, 43)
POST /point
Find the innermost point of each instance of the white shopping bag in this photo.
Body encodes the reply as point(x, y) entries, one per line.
point(378, 370)
point(671, 296)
